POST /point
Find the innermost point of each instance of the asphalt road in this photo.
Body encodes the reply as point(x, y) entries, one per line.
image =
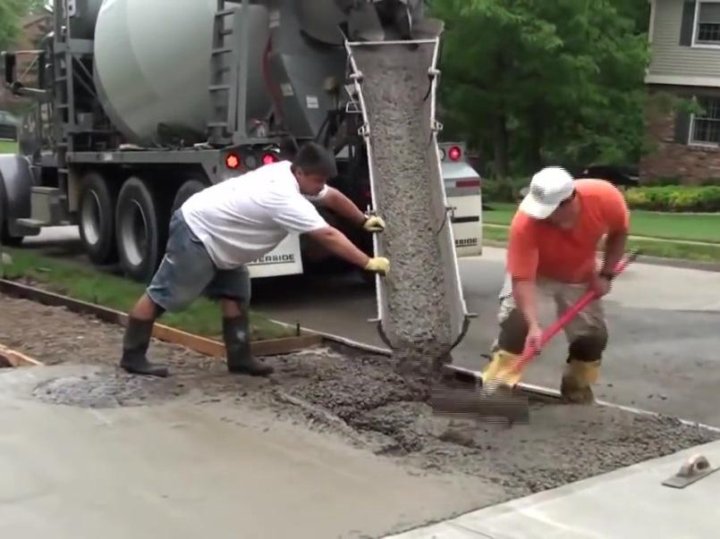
point(664, 324)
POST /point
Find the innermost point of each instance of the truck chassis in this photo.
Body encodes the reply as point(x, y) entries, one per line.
point(75, 168)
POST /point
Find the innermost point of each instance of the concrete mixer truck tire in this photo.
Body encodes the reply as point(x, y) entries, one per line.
point(97, 218)
point(187, 189)
point(5, 237)
point(142, 220)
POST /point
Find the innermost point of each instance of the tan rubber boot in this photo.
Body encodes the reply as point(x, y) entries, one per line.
point(499, 367)
point(577, 379)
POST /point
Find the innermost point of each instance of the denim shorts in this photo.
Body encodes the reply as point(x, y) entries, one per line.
point(187, 272)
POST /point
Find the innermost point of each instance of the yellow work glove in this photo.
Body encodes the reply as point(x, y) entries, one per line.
point(378, 265)
point(374, 224)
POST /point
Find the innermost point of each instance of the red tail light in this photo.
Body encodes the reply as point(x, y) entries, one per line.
point(467, 183)
point(232, 161)
point(269, 158)
point(454, 153)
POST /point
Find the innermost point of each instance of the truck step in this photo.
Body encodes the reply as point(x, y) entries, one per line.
point(32, 226)
point(48, 208)
point(41, 190)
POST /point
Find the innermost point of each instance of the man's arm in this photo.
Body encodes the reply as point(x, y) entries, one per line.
point(614, 251)
point(522, 260)
point(618, 218)
point(524, 294)
point(296, 214)
point(337, 243)
point(343, 206)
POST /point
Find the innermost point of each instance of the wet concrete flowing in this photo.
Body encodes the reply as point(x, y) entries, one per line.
point(396, 91)
point(357, 398)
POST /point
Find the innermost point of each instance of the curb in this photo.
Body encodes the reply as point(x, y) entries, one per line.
point(197, 343)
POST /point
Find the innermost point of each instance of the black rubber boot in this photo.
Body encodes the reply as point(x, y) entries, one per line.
point(135, 345)
point(236, 334)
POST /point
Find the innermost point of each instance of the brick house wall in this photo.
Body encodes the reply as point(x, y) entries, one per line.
point(33, 28)
point(672, 155)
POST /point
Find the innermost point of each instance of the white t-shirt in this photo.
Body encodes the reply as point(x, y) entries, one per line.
point(242, 218)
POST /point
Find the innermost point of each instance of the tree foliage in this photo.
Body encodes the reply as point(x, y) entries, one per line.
point(11, 12)
point(531, 82)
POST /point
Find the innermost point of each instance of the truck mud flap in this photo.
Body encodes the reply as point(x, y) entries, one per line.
point(420, 303)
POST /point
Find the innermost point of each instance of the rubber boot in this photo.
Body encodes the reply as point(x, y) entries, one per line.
point(498, 368)
point(135, 345)
point(577, 378)
point(236, 334)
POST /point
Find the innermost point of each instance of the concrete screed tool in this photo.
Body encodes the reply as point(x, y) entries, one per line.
point(498, 397)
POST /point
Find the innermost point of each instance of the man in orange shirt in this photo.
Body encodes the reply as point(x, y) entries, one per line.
point(552, 250)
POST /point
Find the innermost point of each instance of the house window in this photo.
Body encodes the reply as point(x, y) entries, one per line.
point(705, 125)
point(707, 27)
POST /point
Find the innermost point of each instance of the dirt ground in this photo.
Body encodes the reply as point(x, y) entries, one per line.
point(355, 396)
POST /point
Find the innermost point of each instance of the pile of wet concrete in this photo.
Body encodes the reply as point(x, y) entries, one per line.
point(348, 392)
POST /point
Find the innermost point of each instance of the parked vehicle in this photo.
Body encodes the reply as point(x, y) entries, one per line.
point(8, 125)
point(621, 176)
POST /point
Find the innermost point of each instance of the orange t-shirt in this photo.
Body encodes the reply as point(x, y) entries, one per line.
point(537, 249)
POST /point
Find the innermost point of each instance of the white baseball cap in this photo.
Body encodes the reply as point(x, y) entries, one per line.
point(548, 188)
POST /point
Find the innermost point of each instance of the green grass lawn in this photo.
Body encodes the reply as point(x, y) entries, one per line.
point(7, 146)
point(701, 227)
point(93, 286)
point(663, 249)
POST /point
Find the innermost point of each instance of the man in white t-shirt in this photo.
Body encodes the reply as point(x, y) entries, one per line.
point(228, 225)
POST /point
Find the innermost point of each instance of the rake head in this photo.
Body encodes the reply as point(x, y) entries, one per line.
point(472, 400)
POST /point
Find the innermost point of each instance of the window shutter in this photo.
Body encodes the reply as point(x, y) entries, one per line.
point(682, 127)
point(687, 25)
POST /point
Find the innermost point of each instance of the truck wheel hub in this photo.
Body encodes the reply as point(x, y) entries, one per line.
point(91, 219)
point(133, 234)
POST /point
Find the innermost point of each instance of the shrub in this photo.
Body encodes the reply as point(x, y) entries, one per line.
point(675, 198)
point(503, 190)
point(663, 181)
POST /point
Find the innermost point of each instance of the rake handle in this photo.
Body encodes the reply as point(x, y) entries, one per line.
point(587, 298)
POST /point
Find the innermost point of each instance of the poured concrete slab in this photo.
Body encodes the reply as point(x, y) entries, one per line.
point(631, 502)
point(185, 470)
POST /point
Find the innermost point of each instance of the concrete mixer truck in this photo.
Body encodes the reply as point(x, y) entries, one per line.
point(138, 104)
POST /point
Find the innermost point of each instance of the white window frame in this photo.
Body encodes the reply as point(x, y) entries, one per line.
point(700, 143)
point(696, 26)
